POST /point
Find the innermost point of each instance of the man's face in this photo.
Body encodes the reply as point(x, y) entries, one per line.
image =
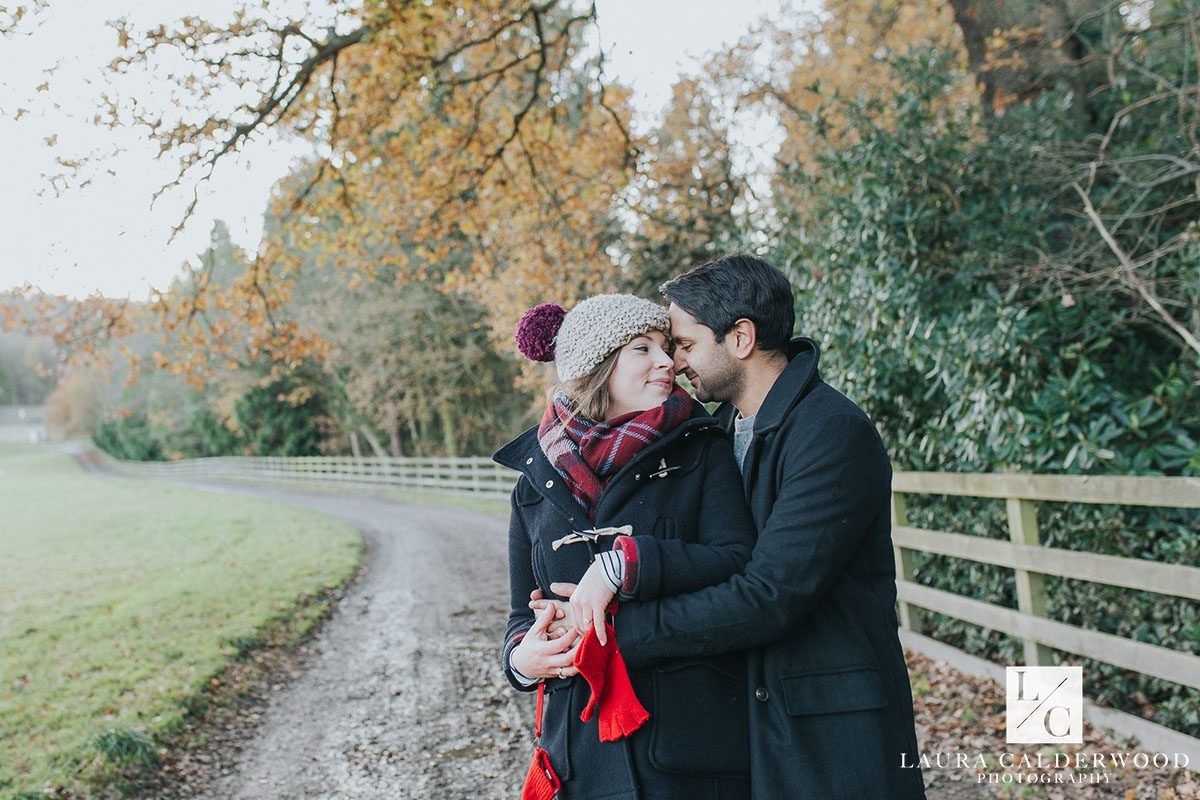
point(712, 369)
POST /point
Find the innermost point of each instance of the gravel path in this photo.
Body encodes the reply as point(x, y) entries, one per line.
point(400, 694)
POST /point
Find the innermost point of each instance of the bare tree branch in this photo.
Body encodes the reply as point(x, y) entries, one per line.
point(1129, 274)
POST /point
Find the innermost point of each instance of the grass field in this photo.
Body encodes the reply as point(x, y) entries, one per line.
point(119, 602)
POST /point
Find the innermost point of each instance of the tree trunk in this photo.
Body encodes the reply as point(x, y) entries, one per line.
point(449, 436)
point(394, 435)
point(355, 448)
point(420, 434)
point(1045, 48)
point(376, 447)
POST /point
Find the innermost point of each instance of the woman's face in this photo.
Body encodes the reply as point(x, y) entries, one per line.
point(644, 375)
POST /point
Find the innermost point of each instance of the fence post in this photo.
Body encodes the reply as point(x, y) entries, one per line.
point(911, 617)
point(1031, 586)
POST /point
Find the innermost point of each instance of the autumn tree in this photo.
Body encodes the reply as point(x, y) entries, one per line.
point(481, 129)
point(73, 408)
point(418, 366)
point(796, 68)
point(410, 367)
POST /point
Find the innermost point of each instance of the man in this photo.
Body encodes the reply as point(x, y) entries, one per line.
point(831, 708)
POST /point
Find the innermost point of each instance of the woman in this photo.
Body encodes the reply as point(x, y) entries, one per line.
point(621, 446)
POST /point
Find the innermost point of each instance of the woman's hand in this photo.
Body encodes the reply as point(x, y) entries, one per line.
point(589, 600)
point(544, 653)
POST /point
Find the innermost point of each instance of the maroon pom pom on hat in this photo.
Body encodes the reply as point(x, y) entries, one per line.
point(537, 330)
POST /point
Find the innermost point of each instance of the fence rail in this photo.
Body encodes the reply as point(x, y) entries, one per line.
point(22, 424)
point(1032, 562)
point(475, 475)
point(1024, 553)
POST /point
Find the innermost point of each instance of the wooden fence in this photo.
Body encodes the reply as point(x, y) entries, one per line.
point(1031, 562)
point(22, 424)
point(476, 475)
point(1029, 559)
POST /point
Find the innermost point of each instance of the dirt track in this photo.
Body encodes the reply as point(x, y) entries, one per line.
point(400, 694)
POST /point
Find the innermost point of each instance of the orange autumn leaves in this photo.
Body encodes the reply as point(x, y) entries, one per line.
point(494, 172)
point(476, 145)
point(471, 145)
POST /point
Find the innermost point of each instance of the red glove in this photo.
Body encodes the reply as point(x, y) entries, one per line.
point(540, 783)
point(621, 713)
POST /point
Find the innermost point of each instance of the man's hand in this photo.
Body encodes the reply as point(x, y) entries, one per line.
point(589, 600)
point(546, 654)
point(563, 620)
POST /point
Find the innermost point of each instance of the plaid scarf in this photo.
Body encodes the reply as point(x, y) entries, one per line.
point(588, 454)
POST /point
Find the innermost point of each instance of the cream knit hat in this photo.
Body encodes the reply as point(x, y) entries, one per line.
point(580, 339)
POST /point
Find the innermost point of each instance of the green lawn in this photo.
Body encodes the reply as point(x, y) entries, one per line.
point(120, 600)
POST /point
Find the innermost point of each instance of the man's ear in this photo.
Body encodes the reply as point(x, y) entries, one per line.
point(742, 337)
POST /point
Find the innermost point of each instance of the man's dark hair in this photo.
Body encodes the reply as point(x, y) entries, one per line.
point(720, 292)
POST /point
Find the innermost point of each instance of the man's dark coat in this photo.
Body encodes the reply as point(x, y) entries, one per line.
point(831, 709)
point(683, 498)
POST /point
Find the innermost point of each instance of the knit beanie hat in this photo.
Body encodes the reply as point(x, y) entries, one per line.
point(578, 340)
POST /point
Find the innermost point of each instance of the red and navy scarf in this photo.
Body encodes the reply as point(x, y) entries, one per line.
point(587, 454)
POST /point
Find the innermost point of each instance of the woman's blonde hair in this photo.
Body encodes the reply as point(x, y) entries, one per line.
point(589, 392)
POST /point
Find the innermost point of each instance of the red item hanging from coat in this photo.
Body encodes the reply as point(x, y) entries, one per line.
point(618, 709)
point(541, 782)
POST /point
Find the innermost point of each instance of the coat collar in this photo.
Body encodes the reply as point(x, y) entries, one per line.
point(792, 384)
point(516, 454)
point(513, 454)
point(525, 455)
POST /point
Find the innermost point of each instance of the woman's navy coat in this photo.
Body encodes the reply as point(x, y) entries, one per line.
point(683, 497)
point(832, 714)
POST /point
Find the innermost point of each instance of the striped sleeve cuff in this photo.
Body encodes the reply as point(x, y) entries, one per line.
point(628, 548)
point(517, 680)
point(612, 566)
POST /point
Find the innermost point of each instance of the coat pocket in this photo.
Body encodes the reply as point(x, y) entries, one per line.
point(664, 528)
point(834, 691)
point(700, 718)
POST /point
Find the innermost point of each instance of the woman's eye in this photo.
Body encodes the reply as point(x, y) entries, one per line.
point(641, 348)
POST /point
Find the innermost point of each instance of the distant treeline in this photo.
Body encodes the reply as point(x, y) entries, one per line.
point(28, 369)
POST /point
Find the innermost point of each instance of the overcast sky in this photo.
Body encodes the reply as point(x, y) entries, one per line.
point(106, 238)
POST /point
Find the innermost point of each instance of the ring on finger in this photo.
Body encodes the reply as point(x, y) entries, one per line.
point(560, 673)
